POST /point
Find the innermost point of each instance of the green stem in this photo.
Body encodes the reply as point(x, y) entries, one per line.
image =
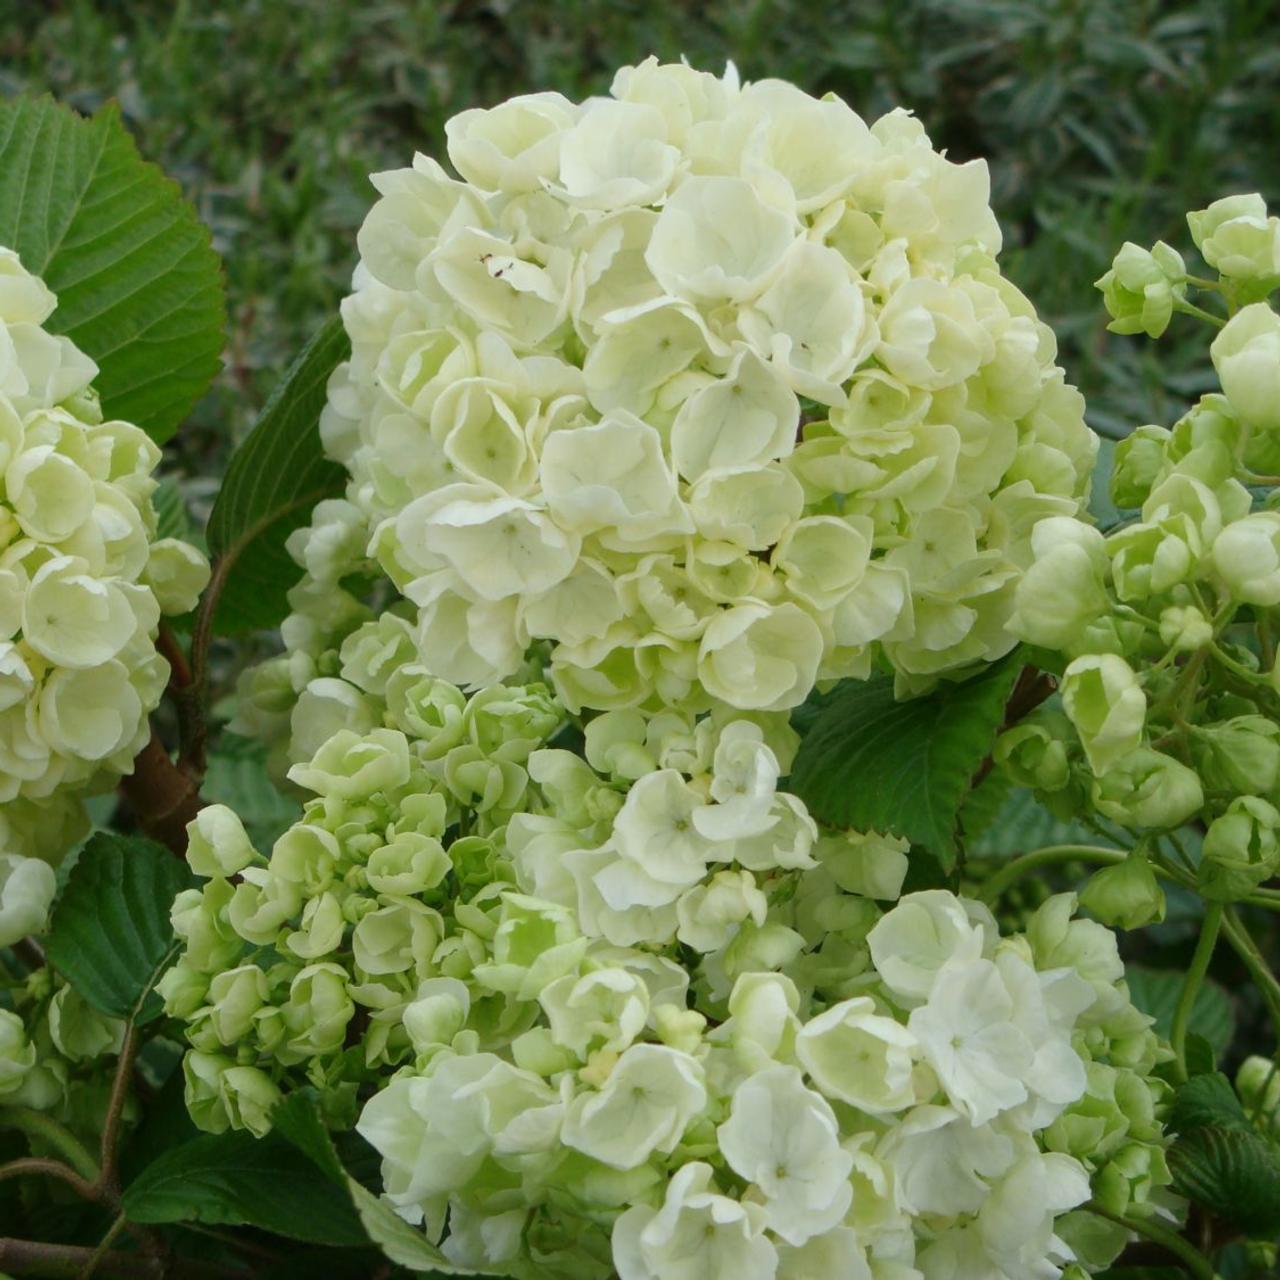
point(1238, 667)
point(1201, 283)
point(1191, 986)
point(1243, 945)
point(1182, 1249)
point(1013, 871)
point(37, 1125)
point(1190, 309)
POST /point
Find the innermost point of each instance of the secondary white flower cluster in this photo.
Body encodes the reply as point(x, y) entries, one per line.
point(634, 1015)
point(714, 388)
point(1170, 687)
point(83, 581)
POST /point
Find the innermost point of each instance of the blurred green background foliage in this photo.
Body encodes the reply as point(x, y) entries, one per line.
point(1102, 120)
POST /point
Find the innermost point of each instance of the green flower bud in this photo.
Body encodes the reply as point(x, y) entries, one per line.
point(183, 990)
point(1140, 288)
point(1092, 1128)
point(259, 908)
point(1063, 589)
point(1246, 556)
point(1241, 850)
point(1240, 756)
point(202, 1073)
point(1103, 699)
point(79, 1031)
point(1246, 354)
point(1184, 628)
point(201, 919)
point(372, 653)
point(482, 783)
point(27, 889)
point(398, 938)
point(1235, 236)
point(1139, 465)
point(1258, 1084)
point(1129, 1178)
point(409, 864)
point(249, 1096)
point(1125, 896)
point(431, 711)
point(17, 1053)
point(306, 856)
point(235, 996)
point(352, 767)
point(535, 944)
point(437, 1014)
point(318, 1010)
point(321, 931)
point(1149, 559)
point(1148, 789)
point(217, 844)
point(509, 723)
point(177, 573)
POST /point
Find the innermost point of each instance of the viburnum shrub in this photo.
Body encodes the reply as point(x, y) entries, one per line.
point(714, 734)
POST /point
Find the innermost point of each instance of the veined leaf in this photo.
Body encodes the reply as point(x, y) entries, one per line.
point(237, 1179)
point(110, 935)
point(139, 286)
point(274, 480)
point(871, 762)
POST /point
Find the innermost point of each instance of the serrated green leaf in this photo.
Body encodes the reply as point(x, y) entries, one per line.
point(274, 480)
point(1233, 1174)
point(237, 1179)
point(870, 762)
point(1207, 1101)
point(110, 935)
point(139, 286)
point(297, 1118)
point(1156, 991)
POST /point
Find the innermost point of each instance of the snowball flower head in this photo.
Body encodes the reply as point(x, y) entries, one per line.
point(84, 580)
point(713, 390)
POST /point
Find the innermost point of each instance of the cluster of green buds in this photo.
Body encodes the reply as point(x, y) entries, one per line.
point(296, 966)
point(1162, 629)
point(57, 1055)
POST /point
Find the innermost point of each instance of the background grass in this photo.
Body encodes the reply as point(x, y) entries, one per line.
point(1102, 120)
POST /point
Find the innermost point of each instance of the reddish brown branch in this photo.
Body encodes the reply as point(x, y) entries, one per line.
point(162, 796)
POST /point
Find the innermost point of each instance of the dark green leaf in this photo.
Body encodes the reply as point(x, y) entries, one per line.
point(1156, 991)
point(1233, 1174)
point(871, 762)
point(110, 935)
point(1207, 1101)
point(1201, 1059)
point(273, 481)
point(235, 1178)
point(139, 286)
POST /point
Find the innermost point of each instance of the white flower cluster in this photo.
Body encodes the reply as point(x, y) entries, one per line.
point(633, 1015)
point(83, 583)
point(714, 388)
